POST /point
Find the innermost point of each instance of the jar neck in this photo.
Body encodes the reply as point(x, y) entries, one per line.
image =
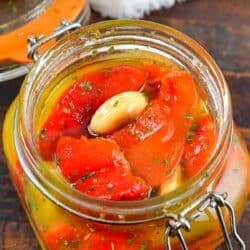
point(75, 49)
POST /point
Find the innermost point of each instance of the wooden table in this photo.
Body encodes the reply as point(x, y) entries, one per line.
point(223, 28)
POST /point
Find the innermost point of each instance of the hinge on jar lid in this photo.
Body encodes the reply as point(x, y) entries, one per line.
point(35, 42)
point(209, 200)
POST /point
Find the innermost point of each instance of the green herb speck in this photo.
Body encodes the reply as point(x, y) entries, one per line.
point(111, 49)
point(94, 52)
point(89, 48)
point(74, 77)
point(138, 136)
point(97, 34)
point(87, 175)
point(155, 160)
point(43, 134)
point(143, 246)
point(75, 241)
point(115, 104)
point(165, 162)
point(206, 175)
point(86, 85)
point(192, 132)
point(130, 241)
point(194, 127)
point(188, 116)
point(115, 40)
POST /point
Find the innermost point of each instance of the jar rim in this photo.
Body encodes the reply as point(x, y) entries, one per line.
point(79, 200)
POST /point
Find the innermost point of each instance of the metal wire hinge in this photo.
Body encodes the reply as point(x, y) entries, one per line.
point(209, 200)
point(35, 42)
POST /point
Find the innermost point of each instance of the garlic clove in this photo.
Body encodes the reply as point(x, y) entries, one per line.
point(172, 182)
point(117, 111)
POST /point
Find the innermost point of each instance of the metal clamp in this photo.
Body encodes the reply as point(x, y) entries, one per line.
point(35, 42)
point(212, 200)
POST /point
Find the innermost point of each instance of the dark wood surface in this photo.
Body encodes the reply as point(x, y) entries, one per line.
point(223, 28)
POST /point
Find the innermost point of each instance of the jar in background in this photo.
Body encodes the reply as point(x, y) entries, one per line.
point(90, 223)
point(20, 19)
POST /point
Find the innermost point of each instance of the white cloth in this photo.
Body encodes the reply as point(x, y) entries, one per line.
point(129, 8)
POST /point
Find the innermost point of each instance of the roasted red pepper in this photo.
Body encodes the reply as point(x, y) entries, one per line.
point(153, 144)
point(97, 167)
point(80, 237)
point(199, 145)
point(79, 157)
point(114, 184)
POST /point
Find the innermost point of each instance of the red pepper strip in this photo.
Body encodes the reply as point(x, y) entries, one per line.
point(114, 184)
point(178, 89)
point(83, 157)
point(198, 149)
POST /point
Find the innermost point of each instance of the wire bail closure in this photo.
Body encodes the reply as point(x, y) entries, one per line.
point(35, 42)
point(209, 200)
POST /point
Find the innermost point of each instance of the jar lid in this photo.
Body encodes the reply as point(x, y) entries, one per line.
point(19, 19)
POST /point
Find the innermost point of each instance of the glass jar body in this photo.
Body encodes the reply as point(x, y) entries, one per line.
point(69, 221)
point(57, 228)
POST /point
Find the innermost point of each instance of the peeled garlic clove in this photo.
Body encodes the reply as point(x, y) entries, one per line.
point(117, 111)
point(172, 182)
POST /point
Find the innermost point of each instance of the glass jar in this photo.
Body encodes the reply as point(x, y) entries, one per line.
point(53, 206)
point(20, 19)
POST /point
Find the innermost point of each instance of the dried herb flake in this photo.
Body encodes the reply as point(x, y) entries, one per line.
point(115, 104)
point(86, 85)
point(188, 116)
point(165, 162)
point(43, 134)
point(87, 175)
